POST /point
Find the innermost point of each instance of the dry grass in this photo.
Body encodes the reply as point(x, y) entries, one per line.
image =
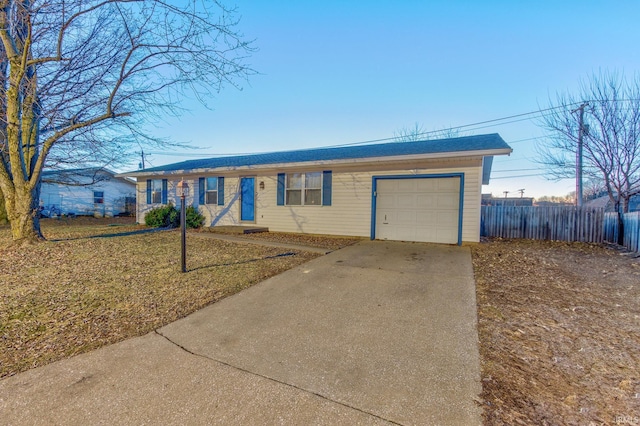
point(79, 291)
point(328, 242)
point(322, 241)
point(559, 329)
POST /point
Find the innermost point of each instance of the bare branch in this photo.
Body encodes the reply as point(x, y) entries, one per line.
point(80, 78)
point(612, 134)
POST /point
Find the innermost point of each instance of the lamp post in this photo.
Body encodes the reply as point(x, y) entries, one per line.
point(183, 190)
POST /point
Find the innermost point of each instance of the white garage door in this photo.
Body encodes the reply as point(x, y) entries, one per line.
point(421, 209)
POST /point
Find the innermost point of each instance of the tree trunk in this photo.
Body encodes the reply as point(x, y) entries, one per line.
point(620, 241)
point(625, 203)
point(3, 212)
point(22, 211)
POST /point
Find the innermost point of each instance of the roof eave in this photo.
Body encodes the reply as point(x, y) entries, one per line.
point(349, 161)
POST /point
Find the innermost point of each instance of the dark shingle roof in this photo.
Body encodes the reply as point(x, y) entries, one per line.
point(462, 144)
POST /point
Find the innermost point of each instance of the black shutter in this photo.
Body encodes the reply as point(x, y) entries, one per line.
point(221, 191)
point(201, 191)
point(164, 191)
point(281, 177)
point(326, 188)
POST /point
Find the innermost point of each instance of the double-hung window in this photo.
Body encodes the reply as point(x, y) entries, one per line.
point(303, 189)
point(98, 197)
point(313, 189)
point(211, 190)
point(156, 191)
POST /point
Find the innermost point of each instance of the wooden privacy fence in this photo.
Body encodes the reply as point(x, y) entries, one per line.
point(565, 223)
point(631, 237)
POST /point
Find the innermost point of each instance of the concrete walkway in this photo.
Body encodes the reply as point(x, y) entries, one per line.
point(376, 333)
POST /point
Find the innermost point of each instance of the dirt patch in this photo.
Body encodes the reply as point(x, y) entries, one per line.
point(559, 327)
point(87, 287)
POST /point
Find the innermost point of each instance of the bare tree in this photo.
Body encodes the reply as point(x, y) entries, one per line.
point(79, 78)
point(611, 135)
point(593, 188)
point(417, 132)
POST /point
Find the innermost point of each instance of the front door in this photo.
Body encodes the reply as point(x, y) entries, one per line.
point(248, 199)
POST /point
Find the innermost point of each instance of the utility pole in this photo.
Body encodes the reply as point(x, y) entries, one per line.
point(579, 154)
point(521, 191)
point(505, 193)
point(141, 165)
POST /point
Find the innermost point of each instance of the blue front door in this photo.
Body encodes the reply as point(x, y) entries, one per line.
point(247, 204)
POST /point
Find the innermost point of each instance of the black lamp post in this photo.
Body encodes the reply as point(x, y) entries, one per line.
point(183, 190)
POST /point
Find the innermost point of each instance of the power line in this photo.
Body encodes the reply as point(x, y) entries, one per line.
point(470, 127)
point(518, 176)
point(464, 126)
point(515, 170)
point(510, 119)
point(525, 140)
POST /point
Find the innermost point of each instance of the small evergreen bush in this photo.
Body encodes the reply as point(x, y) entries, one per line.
point(163, 217)
point(169, 217)
point(194, 218)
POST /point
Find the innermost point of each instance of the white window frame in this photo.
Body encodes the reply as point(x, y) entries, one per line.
point(98, 199)
point(303, 189)
point(210, 192)
point(156, 191)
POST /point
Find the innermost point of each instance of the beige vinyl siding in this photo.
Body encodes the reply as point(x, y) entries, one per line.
point(227, 214)
point(349, 193)
point(350, 212)
point(172, 197)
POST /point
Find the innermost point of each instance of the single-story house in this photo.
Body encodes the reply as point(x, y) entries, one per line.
point(604, 202)
point(412, 191)
point(88, 192)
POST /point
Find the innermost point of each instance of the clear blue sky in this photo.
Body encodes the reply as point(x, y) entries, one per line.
point(336, 72)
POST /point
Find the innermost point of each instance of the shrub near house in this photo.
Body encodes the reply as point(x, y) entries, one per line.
point(169, 217)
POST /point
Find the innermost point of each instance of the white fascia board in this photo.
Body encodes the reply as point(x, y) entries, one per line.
point(349, 161)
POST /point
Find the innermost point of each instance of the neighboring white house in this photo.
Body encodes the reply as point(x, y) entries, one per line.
point(411, 191)
point(91, 192)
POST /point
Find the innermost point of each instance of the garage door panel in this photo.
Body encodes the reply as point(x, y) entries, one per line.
point(406, 217)
point(425, 201)
point(426, 185)
point(444, 237)
point(449, 185)
point(405, 201)
point(447, 219)
point(418, 209)
point(427, 219)
point(385, 216)
point(447, 201)
point(426, 234)
point(406, 185)
point(387, 202)
point(405, 233)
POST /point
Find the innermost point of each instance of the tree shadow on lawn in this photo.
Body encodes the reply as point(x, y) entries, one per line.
point(114, 234)
point(256, 259)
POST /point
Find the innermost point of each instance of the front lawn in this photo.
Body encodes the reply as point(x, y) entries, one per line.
point(79, 291)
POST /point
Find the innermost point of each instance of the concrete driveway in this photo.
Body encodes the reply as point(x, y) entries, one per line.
point(376, 333)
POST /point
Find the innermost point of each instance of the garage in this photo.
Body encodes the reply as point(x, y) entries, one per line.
point(418, 208)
